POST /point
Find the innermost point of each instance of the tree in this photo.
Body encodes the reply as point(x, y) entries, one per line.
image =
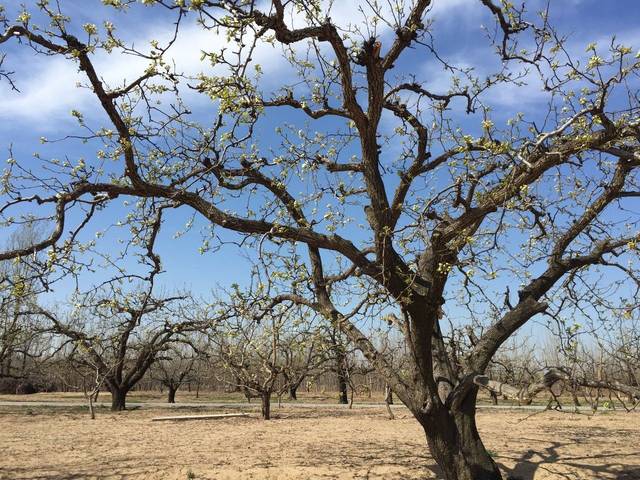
point(175, 369)
point(20, 347)
point(250, 350)
point(338, 360)
point(92, 377)
point(262, 349)
point(448, 201)
point(300, 358)
point(120, 335)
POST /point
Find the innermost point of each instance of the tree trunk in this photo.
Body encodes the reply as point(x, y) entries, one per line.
point(118, 400)
point(351, 400)
point(293, 393)
point(455, 444)
point(92, 411)
point(388, 395)
point(343, 396)
point(171, 397)
point(266, 405)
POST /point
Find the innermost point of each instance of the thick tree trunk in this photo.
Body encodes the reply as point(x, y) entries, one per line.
point(266, 405)
point(293, 393)
point(118, 400)
point(343, 395)
point(171, 395)
point(455, 444)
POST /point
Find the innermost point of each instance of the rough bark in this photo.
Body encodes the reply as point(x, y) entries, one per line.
point(293, 393)
point(118, 399)
point(455, 444)
point(171, 394)
point(265, 407)
point(343, 394)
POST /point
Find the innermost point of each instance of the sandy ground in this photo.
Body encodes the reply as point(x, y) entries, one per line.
point(56, 443)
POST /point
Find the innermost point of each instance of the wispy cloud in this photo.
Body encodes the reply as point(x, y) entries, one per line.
point(49, 85)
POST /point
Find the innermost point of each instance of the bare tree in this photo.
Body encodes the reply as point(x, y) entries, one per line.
point(121, 335)
point(21, 349)
point(449, 201)
point(92, 377)
point(300, 357)
point(338, 352)
point(250, 351)
point(175, 368)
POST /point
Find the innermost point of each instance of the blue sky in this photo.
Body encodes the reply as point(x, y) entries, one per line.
point(48, 94)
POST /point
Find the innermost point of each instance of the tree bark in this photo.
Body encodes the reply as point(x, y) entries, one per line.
point(343, 395)
point(459, 457)
point(455, 444)
point(92, 412)
point(171, 394)
point(388, 394)
point(293, 393)
point(266, 405)
point(118, 399)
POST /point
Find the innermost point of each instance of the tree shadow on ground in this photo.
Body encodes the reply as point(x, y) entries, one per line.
point(418, 463)
point(534, 461)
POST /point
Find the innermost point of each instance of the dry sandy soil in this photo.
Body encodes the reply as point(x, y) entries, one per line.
point(41, 443)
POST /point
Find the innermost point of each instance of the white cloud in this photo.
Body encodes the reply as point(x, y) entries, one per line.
point(45, 91)
point(48, 85)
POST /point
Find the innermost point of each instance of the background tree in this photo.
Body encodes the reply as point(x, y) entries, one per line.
point(91, 374)
point(21, 349)
point(175, 368)
point(250, 350)
point(122, 334)
point(301, 358)
point(339, 360)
